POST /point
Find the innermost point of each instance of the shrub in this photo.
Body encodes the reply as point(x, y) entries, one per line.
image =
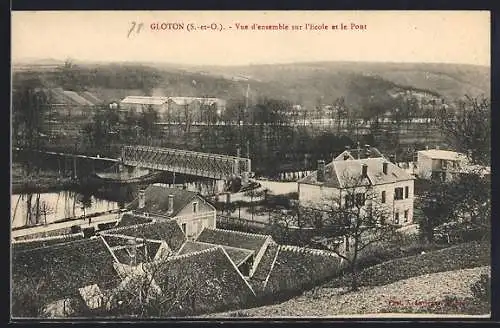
point(481, 289)
point(76, 229)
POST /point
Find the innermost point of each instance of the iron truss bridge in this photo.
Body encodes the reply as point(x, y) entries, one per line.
point(207, 165)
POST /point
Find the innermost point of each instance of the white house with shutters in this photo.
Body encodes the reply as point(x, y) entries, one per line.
point(369, 181)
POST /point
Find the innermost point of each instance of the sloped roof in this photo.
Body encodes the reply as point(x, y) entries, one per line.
point(142, 100)
point(58, 271)
point(183, 100)
point(362, 153)
point(214, 281)
point(348, 173)
point(248, 241)
point(237, 255)
point(44, 242)
point(91, 97)
point(296, 267)
point(75, 97)
point(442, 154)
point(167, 230)
point(122, 248)
point(157, 199)
point(264, 267)
point(129, 219)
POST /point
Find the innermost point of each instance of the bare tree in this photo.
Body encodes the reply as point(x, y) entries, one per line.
point(354, 219)
point(468, 128)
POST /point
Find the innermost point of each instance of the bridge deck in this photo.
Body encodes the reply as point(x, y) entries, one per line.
point(208, 165)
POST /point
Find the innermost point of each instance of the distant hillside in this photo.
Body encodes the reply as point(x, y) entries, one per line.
point(306, 83)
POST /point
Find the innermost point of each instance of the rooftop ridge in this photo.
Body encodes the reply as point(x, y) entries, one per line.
point(27, 241)
point(223, 246)
point(127, 227)
point(249, 234)
point(73, 242)
point(313, 251)
point(183, 256)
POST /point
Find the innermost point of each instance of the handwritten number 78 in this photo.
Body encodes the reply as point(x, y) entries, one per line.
point(135, 27)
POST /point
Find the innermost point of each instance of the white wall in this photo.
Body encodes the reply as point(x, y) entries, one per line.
point(313, 196)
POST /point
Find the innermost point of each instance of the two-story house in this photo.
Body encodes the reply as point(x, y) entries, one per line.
point(191, 211)
point(439, 164)
point(368, 181)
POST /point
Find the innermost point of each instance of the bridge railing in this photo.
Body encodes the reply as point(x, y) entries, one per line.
point(185, 161)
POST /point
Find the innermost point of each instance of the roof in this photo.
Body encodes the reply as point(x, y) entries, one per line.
point(265, 264)
point(216, 283)
point(345, 174)
point(58, 271)
point(362, 153)
point(142, 100)
point(237, 255)
point(248, 241)
point(441, 154)
point(129, 219)
point(298, 267)
point(157, 199)
point(77, 98)
point(122, 248)
point(181, 101)
point(167, 230)
point(91, 97)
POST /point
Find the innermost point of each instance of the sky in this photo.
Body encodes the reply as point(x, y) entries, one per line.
point(382, 36)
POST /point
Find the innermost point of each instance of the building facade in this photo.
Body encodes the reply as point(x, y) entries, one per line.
point(191, 211)
point(439, 164)
point(371, 182)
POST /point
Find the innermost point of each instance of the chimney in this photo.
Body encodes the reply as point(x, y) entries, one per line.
point(321, 171)
point(384, 167)
point(364, 171)
point(142, 198)
point(170, 204)
point(347, 147)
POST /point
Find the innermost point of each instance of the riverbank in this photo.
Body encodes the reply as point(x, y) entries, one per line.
point(43, 181)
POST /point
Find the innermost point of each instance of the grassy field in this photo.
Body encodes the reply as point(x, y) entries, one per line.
point(435, 282)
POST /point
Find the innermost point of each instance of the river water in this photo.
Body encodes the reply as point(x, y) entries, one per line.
point(49, 207)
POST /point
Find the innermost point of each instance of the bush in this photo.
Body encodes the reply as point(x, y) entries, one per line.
point(76, 229)
point(481, 289)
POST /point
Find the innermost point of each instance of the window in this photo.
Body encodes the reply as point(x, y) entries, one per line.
point(406, 215)
point(183, 228)
point(349, 201)
point(398, 193)
point(195, 207)
point(383, 196)
point(407, 191)
point(360, 199)
point(396, 218)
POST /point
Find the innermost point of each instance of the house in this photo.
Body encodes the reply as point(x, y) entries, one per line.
point(138, 104)
point(368, 181)
point(219, 271)
point(68, 103)
point(191, 211)
point(177, 109)
point(439, 164)
point(95, 275)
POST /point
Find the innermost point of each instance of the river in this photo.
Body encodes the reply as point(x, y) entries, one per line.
point(54, 206)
